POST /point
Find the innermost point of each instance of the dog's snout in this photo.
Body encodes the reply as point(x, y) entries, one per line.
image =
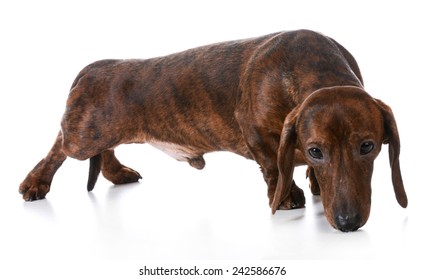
point(347, 223)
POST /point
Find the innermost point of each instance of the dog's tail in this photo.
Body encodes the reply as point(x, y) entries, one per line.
point(94, 171)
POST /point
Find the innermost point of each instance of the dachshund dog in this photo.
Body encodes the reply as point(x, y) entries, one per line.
point(283, 100)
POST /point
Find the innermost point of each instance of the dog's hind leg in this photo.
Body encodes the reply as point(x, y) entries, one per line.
point(111, 169)
point(37, 183)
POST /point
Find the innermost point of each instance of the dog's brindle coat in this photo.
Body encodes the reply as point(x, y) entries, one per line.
point(284, 99)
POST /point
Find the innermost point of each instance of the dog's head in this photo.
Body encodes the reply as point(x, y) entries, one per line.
point(339, 131)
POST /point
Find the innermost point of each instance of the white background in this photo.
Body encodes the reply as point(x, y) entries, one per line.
point(178, 215)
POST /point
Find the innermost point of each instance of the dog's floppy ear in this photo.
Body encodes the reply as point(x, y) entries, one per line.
point(286, 159)
point(391, 137)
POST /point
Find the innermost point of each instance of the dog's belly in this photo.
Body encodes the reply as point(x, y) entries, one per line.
point(193, 155)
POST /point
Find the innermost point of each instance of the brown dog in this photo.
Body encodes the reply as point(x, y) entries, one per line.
point(283, 99)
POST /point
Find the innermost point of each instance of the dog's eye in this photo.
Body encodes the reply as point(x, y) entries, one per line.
point(366, 147)
point(315, 153)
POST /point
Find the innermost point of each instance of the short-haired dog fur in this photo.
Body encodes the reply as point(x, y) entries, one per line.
point(283, 100)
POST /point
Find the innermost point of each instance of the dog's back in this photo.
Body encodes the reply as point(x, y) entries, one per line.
point(196, 90)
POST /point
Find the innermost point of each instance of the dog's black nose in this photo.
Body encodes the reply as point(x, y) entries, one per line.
point(347, 223)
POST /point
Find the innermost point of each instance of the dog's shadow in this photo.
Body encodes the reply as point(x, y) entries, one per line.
point(40, 208)
point(312, 214)
point(317, 207)
point(316, 210)
point(108, 210)
point(116, 192)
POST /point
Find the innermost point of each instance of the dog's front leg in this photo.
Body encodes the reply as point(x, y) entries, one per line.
point(263, 146)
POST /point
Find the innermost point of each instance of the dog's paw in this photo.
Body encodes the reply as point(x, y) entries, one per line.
point(124, 175)
point(33, 190)
point(295, 200)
